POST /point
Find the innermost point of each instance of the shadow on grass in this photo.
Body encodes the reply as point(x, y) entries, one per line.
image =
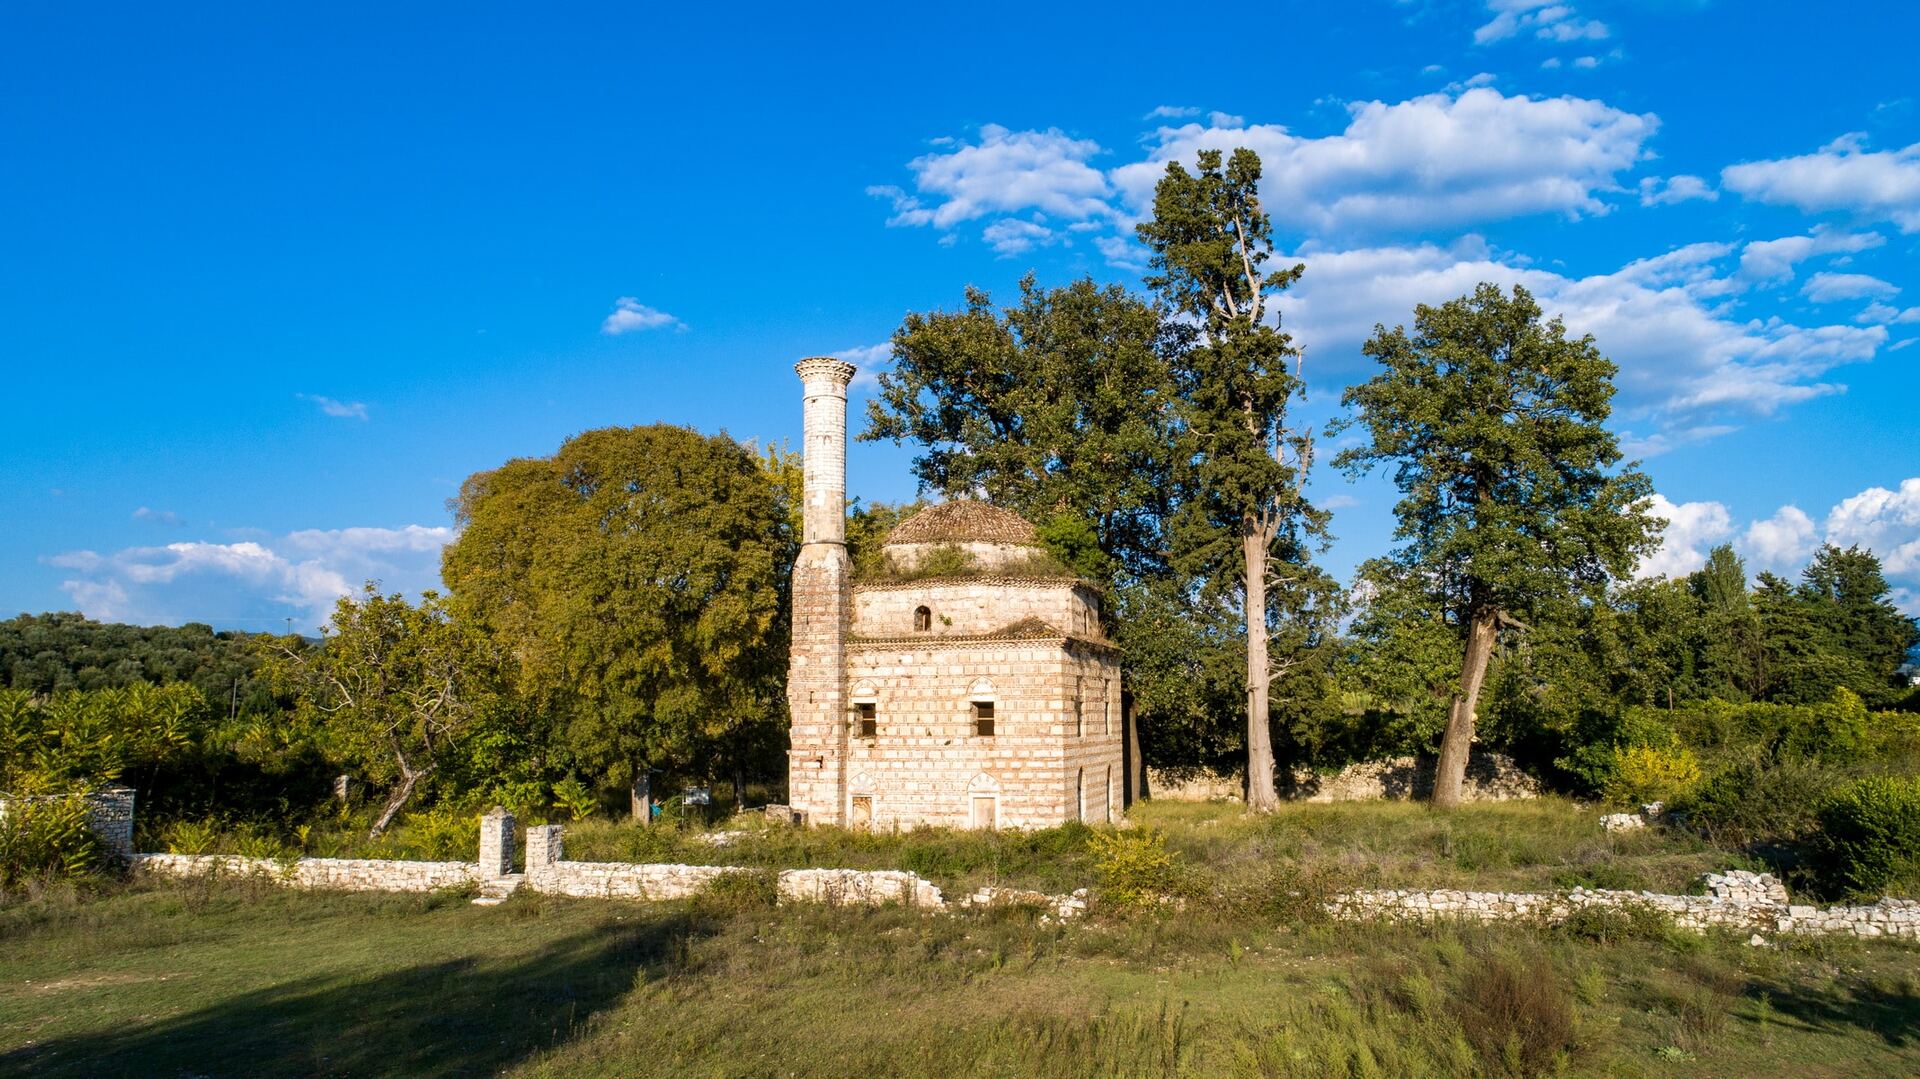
point(1892, 1012)
point(459, 1017)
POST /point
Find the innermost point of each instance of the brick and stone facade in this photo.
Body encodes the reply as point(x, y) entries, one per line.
point(982, 694)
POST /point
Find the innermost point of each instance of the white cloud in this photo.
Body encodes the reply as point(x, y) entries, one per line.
point(1655, 191)
point(1780, 542)
point(1886, 522)
point(1887, 315)
point(254, 584)
point(1827, 287)
point(1005, 172)
point(1693, 528)
point(1663, 319)
point(1452, 158)
point(1172, 112)
point(1773, 261)
point(867, 360)
point(159, 517)
point(343, 410)
point(1841, 176)
point(1011, 236)
point(630, 314)
point(1548, 19)
point(1435, 160)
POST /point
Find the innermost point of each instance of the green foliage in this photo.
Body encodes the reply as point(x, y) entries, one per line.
point(395, 689)
point(1495, 423)
point(82, 738)
point(1136, 870)
point(48, 654)
point(1057, 407)
point(1645, 773)
point(743, 892)
point(1870, 836)
point(44, 837)
point(576, 798)
point(636, 581)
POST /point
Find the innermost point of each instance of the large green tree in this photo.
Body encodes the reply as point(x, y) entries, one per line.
point(1059, 408)
point(1246, 526)
point(393, 690)
point(636, 581)
point(1494, 421)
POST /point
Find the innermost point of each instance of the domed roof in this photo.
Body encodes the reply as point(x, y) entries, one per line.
point(964, 520)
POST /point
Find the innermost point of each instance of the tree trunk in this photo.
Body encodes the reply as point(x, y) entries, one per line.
point(1260, 792)
point(408, 780)
point(642, 795)
point(739, 787)
point(1450, 775)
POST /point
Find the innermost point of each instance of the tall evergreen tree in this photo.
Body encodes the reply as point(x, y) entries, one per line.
point(1494, 421)
point(1210, 242)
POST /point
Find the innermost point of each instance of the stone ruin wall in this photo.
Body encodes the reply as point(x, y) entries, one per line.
point(925, 763)
point(972, 606)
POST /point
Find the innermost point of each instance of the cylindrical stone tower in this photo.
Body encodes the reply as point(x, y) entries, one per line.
point(822, 601)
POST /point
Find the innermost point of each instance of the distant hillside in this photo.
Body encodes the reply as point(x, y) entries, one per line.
point(45, 653)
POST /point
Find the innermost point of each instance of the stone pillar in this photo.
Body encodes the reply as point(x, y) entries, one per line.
point(822, 601)
point(110, 815)
point(543, 847)
point(496, 843)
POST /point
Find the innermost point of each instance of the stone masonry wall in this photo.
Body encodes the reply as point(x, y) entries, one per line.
point(1739, 901)
point(925, 764)
point(339, 874)
point(972, 607)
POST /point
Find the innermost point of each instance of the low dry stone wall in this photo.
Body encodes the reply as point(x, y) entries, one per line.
point(1737, 900)
point(855, 887)
point(339, 874)
point(624, 880)
point(1491, 777)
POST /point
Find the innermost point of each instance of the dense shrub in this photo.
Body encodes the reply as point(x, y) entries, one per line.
point(1755, 799)
point(1518, 1015)
point(46, 837)
point(1646, 774)
point(1135, 868)
point(1870, 836)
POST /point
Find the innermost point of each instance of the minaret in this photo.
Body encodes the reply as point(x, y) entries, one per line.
point(822, 602)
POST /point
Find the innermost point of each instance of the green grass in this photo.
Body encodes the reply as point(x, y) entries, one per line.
point(1513, 846)
point(227, 979)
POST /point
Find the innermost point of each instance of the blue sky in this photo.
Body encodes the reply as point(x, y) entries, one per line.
point(271, 285)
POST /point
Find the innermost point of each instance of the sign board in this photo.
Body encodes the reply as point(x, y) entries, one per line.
point(698, 796)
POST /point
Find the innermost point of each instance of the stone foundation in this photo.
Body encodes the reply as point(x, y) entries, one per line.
point(338, 874)
point(1490, 778)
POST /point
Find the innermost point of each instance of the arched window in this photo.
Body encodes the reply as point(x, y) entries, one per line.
point(980, 701)
point(922, 619)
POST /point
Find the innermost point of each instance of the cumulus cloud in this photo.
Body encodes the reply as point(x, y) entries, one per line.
point(1011, 236)
point(1548, 20)
point(1780, 542)
point(342, 410)
point(251, 583)
point(1468, 155)
point(1682, 353)
point(1006, 171)
point(867, 360)
point(1841, 176)
point(1655, 191)
point(630, 314)
point(1827, 287)
point(1774, 261)
point(1436, 160)
point(1884, 521)
point(1693, 529)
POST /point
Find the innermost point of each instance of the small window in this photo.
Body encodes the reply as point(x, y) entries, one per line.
point(866, 723)
point(1079, 706)
point(922, 619)
point(983, 718)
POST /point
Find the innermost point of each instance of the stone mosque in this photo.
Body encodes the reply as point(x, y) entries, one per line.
point(963, 681)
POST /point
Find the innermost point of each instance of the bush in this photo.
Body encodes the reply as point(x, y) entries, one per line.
point(1136, 870)
point(740, 892)
point(1757, 800)
point(1518, 1015)
point(46, 837)
point(1645, 774)
point(1869, 836)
